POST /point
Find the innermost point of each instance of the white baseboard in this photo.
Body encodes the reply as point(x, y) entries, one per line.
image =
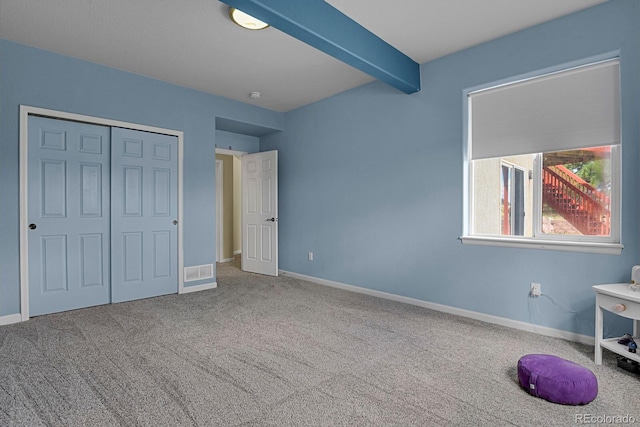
point(11, 318)
point(238, 252)
point(197, 288)
point(516, 324)
point(227, 260)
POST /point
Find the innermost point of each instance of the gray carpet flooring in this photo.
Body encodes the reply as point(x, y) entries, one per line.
point(262, 351)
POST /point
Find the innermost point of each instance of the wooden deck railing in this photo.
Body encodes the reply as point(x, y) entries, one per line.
point(586, 208)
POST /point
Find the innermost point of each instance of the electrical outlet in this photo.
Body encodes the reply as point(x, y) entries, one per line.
point(310, 256)
point(536, 289)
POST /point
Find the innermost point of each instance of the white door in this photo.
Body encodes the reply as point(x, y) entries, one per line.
point(260, 213)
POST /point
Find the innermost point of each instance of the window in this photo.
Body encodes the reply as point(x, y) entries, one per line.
point(543, 161)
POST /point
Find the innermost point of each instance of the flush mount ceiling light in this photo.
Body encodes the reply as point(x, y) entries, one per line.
point(246, 21)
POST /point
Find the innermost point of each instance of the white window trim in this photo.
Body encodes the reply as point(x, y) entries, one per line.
point(551, 245)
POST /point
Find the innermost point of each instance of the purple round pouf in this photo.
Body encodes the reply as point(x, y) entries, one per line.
point(557, 380)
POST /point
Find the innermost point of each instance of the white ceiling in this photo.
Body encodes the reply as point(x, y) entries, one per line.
point(192, 43)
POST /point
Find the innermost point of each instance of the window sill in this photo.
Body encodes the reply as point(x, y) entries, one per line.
point(550, 245)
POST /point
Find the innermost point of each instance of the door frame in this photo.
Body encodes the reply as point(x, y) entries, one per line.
point(219, 209)
point(25, 112)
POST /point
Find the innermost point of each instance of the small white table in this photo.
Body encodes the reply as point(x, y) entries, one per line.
point(618, 299)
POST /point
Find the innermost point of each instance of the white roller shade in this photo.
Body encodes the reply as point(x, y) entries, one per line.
point(572, 109)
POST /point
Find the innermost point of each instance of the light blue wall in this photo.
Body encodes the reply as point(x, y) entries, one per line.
point(43, 79)
point(237, 141)
point(371, 181)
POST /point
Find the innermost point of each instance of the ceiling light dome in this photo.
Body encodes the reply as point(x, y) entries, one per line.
point(245, 20)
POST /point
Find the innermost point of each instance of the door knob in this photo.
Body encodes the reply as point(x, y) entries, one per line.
point(271, 219)
point(33, 226)
point(174, 222)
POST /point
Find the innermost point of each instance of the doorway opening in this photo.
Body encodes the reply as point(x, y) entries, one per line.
point(228, 205)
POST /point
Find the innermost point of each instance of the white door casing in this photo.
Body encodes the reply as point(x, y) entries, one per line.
point(260, 213)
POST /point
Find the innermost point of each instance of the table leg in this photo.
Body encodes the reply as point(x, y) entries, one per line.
point(598, 347)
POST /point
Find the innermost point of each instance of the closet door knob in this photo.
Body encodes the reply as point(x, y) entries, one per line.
point(32, 226)
point(174, 222)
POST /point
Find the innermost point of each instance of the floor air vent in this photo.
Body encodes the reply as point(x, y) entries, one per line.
point(198, 272)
